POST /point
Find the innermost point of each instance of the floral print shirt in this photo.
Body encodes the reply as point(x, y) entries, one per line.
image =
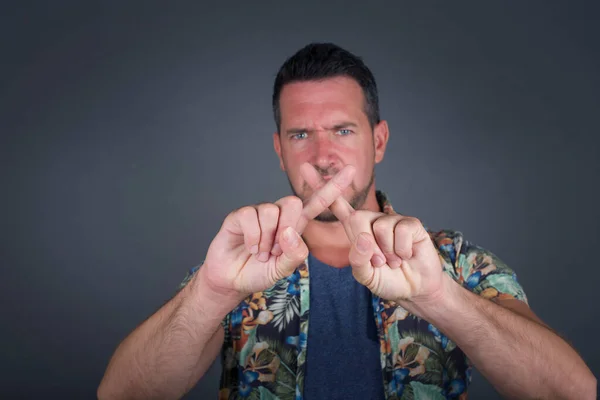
point(264, 352)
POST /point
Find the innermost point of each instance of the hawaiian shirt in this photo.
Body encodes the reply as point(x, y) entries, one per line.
point(266, 335)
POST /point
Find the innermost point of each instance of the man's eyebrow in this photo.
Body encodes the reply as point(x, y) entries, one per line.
point(335, 127)
point(294, 131)
point(344, 124)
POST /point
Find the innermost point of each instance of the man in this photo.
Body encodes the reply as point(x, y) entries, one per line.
point(331, 294)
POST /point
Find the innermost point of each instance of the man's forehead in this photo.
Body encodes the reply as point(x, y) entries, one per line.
point(335, 120)
point(313, 105)
point(324, 90)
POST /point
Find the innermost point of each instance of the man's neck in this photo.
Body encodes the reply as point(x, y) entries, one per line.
point(328, 241)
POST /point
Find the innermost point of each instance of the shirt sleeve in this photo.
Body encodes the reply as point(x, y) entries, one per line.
point(478, 269)
point(188, 277)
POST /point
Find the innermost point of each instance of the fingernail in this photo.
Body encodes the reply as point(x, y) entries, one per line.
point(290, 236)
point(276, 249)
point(378, 261)
point(254, 249)
point(263, 256)
point(362, 244)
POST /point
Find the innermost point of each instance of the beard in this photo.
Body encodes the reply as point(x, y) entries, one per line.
point(357, 201)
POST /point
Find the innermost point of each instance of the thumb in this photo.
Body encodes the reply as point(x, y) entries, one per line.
point(294, 253)
point(360, 256)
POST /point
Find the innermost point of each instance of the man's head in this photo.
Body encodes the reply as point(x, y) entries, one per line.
point(326, 110)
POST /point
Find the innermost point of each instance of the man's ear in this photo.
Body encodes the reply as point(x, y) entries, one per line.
point(381, 135)
point(277, 146)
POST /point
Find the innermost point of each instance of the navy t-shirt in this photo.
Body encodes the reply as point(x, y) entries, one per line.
point(342, 354)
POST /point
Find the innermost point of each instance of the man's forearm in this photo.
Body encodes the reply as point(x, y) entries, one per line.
point(520, 357)
point(167, 354)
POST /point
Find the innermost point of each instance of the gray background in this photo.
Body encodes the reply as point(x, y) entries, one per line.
point(129, 131)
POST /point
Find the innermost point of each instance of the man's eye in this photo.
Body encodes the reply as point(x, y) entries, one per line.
point(299, 136)
point(344, 132)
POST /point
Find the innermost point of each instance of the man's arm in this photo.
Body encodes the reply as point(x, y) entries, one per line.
point(167, 354)
point(514, 350)
point(520, 356)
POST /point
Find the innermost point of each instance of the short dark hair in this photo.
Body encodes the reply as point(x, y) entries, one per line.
point(317, 61)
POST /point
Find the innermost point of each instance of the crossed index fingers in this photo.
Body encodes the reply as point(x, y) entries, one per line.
point(338, 205)
point(327, 194)
point(344, 210)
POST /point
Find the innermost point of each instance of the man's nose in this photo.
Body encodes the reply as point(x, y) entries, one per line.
point(323, 151)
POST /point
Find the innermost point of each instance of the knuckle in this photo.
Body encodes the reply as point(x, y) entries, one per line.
point(288, 200)
point(295, 201)
point(292, 203)
point(231, 216)
point(269, 210)
point(380, 227)
point(405, 225)
point(246, 212)
point(400, 226)
point(413, 222)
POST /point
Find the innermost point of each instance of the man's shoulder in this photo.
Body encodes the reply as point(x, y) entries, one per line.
point(475, 267)
point(452, 243)
point(445, 236)
point(448, 242)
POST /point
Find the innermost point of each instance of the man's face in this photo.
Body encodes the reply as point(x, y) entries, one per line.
point(324, 123)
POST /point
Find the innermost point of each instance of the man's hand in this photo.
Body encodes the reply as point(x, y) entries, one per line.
point(392, 255)
point(261, 244)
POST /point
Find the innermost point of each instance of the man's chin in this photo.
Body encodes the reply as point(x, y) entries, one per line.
point(326, 216)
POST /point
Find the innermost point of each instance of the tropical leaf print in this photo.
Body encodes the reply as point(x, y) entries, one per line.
point(506, 284)
point(285, 307)
point(284, 385)
point(429, 392)
point(266, 394)
point(248, 347)
point(266, 334)
point(427, 340)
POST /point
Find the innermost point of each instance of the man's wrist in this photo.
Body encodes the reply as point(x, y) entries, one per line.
point(212, 303)
point(429, 307)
